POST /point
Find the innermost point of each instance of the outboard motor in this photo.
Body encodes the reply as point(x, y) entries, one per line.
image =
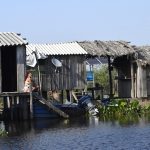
point(105, 101)
point(86, 103)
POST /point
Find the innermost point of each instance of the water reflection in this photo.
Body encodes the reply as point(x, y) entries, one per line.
point(19, 128)
point(126, 120)
point(128, 132)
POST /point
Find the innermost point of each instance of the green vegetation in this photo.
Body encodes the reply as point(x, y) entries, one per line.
point(121, 107)
point(123, 110)
point(101, 77)
point(3, 133)
point(1, 103)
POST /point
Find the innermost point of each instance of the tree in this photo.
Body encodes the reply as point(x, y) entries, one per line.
point(102, 77)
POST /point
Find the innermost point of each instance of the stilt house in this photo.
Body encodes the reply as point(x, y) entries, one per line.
point(12, 62)
point(69, 71)
point(120, 55)
point(141, 73)
point(134, 72)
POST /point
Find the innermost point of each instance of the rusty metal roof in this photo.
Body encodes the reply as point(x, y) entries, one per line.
point(72, 48)
point(11, 39)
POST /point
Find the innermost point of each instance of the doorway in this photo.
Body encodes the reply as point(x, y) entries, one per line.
point(9, 69)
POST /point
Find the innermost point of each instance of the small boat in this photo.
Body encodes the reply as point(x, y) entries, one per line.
point(84, 105)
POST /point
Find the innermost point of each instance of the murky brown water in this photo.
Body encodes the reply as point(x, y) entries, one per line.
point(77, 134)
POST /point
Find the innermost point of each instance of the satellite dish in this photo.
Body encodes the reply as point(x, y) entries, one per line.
point(56, 62)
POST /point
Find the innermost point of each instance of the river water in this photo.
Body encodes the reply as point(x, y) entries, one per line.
point(77, 134)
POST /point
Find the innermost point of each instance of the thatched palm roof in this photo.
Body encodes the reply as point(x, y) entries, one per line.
point(107, 48)
point(117, 49)
point(143, 54)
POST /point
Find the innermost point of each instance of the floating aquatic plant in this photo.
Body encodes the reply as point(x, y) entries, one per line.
point(119, 107)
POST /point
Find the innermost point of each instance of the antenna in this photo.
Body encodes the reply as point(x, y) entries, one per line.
point(56, 63)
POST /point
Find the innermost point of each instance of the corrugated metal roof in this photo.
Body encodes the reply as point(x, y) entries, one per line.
point(72, 48)
point(11, 39)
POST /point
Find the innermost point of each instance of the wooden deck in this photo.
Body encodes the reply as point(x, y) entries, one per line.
point(16, 105)
point(19, 106)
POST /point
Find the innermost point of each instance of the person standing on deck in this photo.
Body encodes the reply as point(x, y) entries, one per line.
point(30, 85)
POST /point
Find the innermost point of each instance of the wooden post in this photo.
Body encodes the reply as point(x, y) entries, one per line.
point(68, 95)
point(135, 85)
point(17, 99)
point(8, 102)
point(62, 96)
point(15, 108)
point(20, 108)
point(39, 73)
point(132, 82)
point(110, 77)
point(93, 94)
point(25, 108)
point(74, 96)
point(31, 105)
point(12, 110)
point(11, 107)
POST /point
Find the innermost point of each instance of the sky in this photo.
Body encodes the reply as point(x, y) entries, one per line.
point(55, 21)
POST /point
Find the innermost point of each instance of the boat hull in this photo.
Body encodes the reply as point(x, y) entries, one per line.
point(41, 111)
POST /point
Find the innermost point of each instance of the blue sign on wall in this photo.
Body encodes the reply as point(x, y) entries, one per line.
point(89, 75)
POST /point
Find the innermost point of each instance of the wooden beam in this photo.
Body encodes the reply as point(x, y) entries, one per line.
point(110, 77)
point(12, 107)
point(39, 73)
point(8, 101)
point(74, 95)
point(55, 109)
point(31, 105)
point(132, 82)
point(62, 96)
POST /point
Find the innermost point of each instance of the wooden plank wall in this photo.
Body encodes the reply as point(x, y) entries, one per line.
point(141, 82)
point(71, 75)
point(148, 80)
point(21, 61)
